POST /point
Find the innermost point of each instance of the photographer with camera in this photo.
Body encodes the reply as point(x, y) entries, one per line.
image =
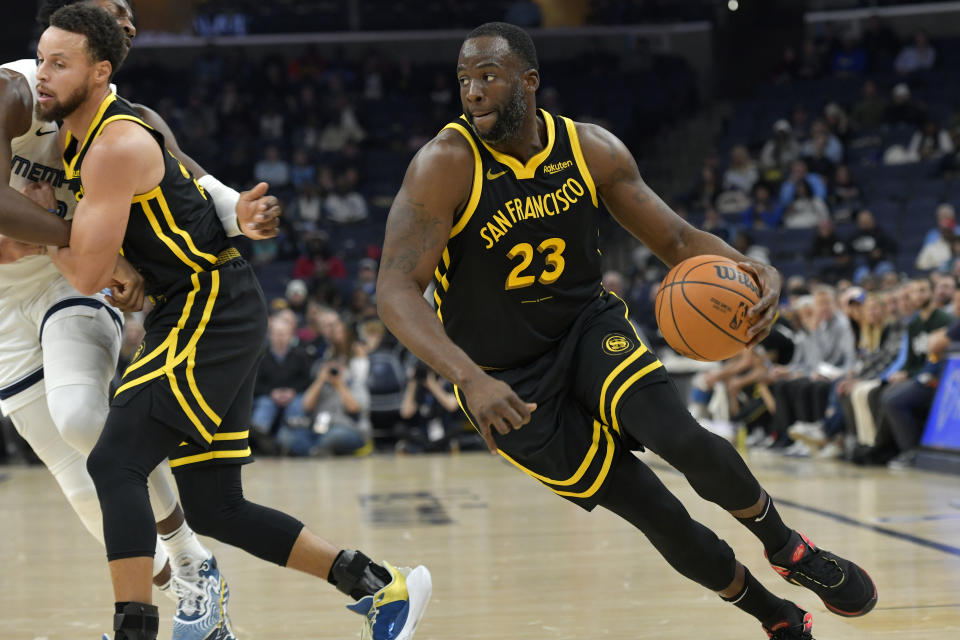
point(337, 402)
point(431, 413)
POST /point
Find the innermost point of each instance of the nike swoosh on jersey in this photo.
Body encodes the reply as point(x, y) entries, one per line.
point(493, 176)
point(41, 132)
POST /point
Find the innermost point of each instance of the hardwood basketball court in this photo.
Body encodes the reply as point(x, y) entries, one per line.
point(509, 559)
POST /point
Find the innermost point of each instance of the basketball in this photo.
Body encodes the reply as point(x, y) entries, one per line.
point(702, 306)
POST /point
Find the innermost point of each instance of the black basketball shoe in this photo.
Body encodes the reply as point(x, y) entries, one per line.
point(790, 623)
point(845, 588)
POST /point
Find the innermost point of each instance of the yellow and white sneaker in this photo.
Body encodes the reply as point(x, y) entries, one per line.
point(394, 612)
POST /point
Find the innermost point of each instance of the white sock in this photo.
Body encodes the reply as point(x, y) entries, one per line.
point(183, 546)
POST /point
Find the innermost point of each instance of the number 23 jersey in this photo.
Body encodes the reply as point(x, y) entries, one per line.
point(523, 259)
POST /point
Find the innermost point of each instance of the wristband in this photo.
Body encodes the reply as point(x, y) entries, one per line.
point(225, 201)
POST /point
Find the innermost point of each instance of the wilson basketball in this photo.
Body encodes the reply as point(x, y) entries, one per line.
point(702, 306)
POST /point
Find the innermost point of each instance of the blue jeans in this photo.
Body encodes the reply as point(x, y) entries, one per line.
point(339, 440)
point(266, 412)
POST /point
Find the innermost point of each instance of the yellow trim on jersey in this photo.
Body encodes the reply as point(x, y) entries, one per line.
point(71, 166)
point(233, 435)
point(210, 455)
point(477, 183)
point(578, 475)
point(528, 170)
point(168, 216)
point(626, 385)
point(143, 201)
point(169, 343)
point(578, 156)
point(119, 116)
point(642, 349)
point(581, 470)
point(191, 380)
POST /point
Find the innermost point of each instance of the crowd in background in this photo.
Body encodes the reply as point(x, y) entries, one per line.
point(331, 135)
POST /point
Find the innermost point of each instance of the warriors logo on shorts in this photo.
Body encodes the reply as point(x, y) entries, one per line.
point(616, 343)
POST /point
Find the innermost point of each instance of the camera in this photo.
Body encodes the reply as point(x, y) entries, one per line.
point(420, 372)
point(334, 370)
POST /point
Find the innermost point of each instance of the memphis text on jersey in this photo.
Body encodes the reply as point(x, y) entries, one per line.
point(37, 172)
point(541, 205)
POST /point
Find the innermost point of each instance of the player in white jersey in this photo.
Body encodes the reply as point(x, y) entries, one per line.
point(58, 348)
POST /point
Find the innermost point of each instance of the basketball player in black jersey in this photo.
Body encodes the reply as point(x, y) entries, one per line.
point(500, 211)
point(188, 392)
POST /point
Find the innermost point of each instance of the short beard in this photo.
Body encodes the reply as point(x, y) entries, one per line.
point(60, 110)
point(509, 120)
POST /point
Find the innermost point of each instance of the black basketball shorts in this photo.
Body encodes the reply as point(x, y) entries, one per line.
point(198, 362)
point(574, 435)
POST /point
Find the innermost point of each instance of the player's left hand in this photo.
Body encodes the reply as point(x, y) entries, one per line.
point(763, 314)
point(126, 287)
point(258, 214)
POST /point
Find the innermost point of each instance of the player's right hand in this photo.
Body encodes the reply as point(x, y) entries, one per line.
point(494, 405)
point(258, 214)
point(126, 287)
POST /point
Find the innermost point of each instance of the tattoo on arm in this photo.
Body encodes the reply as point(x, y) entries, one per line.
point(415, 236)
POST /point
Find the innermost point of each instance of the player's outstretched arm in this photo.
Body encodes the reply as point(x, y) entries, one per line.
point(436, 185)
point(20, 218)
point(252, 213)
point(124, 161)
point(645, 215)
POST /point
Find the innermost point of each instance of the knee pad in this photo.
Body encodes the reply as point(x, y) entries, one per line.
point(79, 412)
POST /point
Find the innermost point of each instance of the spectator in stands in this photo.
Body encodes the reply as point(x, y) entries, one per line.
point(788, 69)
point(303, 174)
point(271, 122)
point(779, 152)
point(431, 412)
point(715, 224)
point(706, 189)
point(805, 210)
point(337, 401)
point(744, 243)
point(870, 111)
point(763, 212)
point(366, 279)
point(827, 244)
point(944, 286)
point(800, 123)
point(837, 121)
point(305, 213)
point(930, 144)
point(937, 244)
point(823, 143)
point(800, 173)
point(844, 194)
point(742, 172)
point(905, 404)
point(917, 56)
point(272, 169)
point(296, 295)
point(903, 109)
point(850, 60)
point(343, 128)
point(283, 375)
point(346, 204)
point(811, 61)
point(870, 242)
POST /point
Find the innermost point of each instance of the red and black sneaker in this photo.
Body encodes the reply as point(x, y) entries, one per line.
point(791, 623)
point(845, 588)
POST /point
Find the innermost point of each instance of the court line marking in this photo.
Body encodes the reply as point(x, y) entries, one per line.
point(839, 517)
point(920, 606)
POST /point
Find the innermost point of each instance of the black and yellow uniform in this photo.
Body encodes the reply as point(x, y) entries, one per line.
point(195, 369)
point(518, 289)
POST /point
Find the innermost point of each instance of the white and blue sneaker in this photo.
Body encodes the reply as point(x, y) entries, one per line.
point(202, 596)
point(394, 612)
